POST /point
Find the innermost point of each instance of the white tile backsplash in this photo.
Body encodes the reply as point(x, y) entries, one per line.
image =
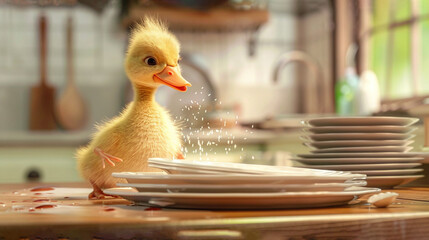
point(98, 58)
point(99, 44)
point(19, 41)
point(227, 53)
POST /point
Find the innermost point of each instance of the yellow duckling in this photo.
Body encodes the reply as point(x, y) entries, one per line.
point(144, 129)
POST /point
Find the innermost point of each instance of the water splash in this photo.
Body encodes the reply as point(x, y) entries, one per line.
point(200, 138)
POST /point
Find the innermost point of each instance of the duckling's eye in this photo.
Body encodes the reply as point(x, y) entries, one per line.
point(151, 61)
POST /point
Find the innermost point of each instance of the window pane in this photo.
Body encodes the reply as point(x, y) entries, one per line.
point(399, 74)
point(424, 7)
point(381, 8)
point(402, 9)
point(380, 12)
point(378, 44)
point(401, 81)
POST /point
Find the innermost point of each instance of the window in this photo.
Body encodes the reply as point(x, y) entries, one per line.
point(398, 54)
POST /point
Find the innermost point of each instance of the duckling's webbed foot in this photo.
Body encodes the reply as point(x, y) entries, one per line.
point(179, 155)
point(107, 157)
point(97, 193)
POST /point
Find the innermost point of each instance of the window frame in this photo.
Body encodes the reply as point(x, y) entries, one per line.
point(367, 31)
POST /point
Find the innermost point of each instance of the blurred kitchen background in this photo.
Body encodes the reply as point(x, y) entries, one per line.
point(258, 67)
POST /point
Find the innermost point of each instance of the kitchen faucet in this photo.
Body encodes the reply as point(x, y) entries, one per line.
point(316, 102)
point(190, 61)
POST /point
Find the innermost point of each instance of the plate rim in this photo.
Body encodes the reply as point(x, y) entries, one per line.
point(143, 175)
point(409, 129)
point(363, 149)
point(404, 142)
point(364, 190)
point(416, 170)
point(362, 136)
point(360, 155)
point(375, 166)
point(397, 177)
point(356, 160)
point(247, 186)
point(410, 121)
point(212, 166)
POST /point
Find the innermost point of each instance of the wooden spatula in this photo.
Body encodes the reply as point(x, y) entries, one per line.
point(42, 96)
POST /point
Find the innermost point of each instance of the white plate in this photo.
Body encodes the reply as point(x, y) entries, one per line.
point(176, 169)
point(391, 181)
point(357, 136)
point(364, 149)
point(357, 143)
point(361, 155)
point(183, 170)
point(362, 121)
point(392, 172)
point(147, 178)
point(361, 129)
point(237, 168)
point(237, 201)
point(190, 170)
point(254, 188)
point(322, 161)
point(376, 166)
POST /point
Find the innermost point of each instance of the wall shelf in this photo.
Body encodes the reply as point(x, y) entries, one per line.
point(49, 139)
point(216, 19)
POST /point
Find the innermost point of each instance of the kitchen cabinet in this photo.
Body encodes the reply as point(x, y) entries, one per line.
point(53, 164)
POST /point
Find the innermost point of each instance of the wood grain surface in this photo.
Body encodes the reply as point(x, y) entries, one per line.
point(75, 217)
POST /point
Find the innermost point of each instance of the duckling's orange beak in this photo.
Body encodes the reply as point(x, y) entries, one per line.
point(171, 77)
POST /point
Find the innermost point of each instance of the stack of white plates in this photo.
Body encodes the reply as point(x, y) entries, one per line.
point(376, 146)
point(210, 185)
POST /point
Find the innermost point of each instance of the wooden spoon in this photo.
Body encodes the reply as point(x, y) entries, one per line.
point(71, 110)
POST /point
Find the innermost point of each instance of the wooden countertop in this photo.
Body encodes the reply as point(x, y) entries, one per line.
point(26, 214)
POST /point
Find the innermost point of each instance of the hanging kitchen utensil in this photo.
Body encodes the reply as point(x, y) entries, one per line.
point(71, 110)
point(42, 95)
